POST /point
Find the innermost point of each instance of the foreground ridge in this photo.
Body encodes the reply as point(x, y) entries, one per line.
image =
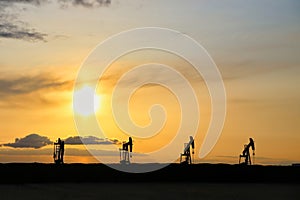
point(39, 173)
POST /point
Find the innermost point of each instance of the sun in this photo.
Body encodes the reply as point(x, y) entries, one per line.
point(82, 99)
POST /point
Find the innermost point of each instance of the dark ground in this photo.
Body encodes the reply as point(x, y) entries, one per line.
point(152, 191)
point(97, 181)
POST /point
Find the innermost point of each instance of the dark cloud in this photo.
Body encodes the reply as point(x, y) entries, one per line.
point(84, 3)
point(36, 141)
point(14, 31)
point(13, 28)
point(34, 2)
point(29, 84)
point(78, 140)
point(30, 141)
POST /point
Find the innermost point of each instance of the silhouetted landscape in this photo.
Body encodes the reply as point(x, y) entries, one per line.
point(51, 173)
point(98, 181)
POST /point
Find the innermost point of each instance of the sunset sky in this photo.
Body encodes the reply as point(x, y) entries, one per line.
point(254, 43)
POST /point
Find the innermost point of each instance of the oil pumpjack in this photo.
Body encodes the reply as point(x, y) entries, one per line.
point(125, 152)
point(59, 150)
point(246, 152)
point(185, 157)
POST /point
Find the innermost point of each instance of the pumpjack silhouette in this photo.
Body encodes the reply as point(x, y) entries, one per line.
point(185, 157)
point(125, 152)
point(246, 153)
point(59, 150)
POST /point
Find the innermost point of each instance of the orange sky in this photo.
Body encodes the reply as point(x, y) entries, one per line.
point(256, 55)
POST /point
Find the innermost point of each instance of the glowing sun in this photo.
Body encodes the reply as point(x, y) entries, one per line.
point(82, 101)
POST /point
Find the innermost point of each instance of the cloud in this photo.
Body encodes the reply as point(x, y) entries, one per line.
point(30, 141)
point(36, 141)
point(32, 90)
point(15, 31)
point(34, 2)
point(30, 84)
point(78, 140)
point(84, 3)
point(11, 27)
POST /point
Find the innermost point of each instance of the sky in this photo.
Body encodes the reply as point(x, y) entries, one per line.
point(43, 45)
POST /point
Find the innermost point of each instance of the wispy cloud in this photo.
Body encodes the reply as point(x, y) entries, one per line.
point(84, 3)
point(11, 27)
point(29, 84)
point(35, 2)
point(31, 90)
point(19, 31)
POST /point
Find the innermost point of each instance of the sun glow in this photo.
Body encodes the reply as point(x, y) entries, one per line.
point(82, 99)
